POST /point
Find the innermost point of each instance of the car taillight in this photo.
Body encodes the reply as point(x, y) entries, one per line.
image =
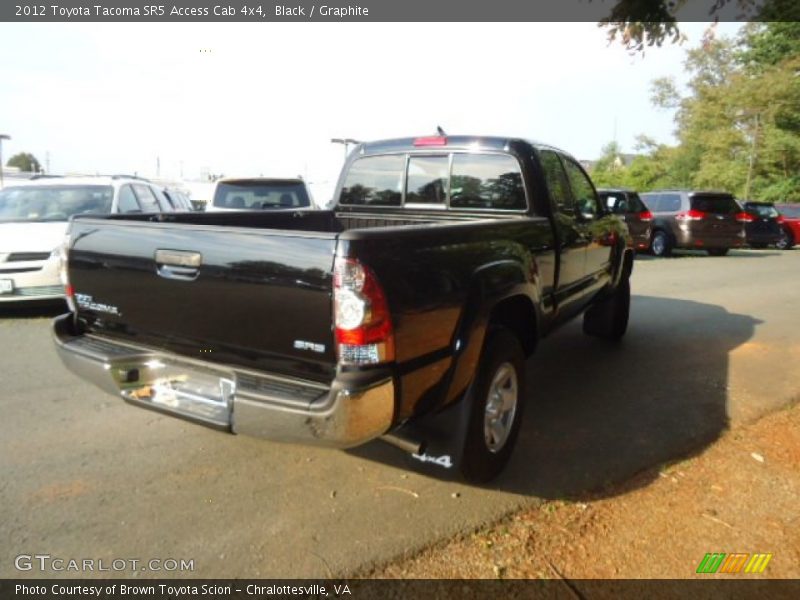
point(645, 216)
point(363, 325)
point(435, 140)
point(744, 217)
point(63, 272)
point(780, 220)
point(691, 215)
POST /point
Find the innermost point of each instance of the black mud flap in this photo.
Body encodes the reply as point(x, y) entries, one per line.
point(441, 437)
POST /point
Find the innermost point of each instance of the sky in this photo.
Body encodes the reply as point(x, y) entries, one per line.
point(250, 99)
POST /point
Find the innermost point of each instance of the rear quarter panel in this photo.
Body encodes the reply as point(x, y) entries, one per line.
point(441, 282)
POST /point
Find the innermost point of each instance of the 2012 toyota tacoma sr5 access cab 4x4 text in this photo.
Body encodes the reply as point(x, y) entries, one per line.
point(405, 313)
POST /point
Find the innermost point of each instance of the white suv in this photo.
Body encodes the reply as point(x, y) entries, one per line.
point(33, 221)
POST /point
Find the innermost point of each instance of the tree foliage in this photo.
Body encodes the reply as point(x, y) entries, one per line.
point(645, 23)
point(738, 127)
point(25, 161)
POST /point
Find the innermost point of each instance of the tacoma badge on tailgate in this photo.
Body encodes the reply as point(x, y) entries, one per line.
point(87, 302)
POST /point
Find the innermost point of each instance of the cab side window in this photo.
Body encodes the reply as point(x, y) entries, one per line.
point(492, 181)
point(126, 203)
point(557, 183)
point(582, 190)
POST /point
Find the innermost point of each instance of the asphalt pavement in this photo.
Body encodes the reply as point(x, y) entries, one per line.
point(712, 344)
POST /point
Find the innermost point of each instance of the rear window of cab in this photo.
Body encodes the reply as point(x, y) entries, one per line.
point(447, 180)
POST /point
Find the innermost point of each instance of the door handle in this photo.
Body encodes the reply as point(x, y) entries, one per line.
point(178, 264)
point(184, 273)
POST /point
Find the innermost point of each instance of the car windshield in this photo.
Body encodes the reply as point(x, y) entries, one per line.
point(793, 212)
point(765, 211)
point(258, 195)
point(53, 202)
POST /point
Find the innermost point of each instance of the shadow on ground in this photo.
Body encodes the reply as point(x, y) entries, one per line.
point(599, 413)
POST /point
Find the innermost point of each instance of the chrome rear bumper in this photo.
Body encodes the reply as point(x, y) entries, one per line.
point(230, 399)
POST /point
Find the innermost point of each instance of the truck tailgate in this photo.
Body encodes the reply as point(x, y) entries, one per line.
point(260, 299)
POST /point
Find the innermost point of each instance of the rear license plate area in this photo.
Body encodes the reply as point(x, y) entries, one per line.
point(185, 390)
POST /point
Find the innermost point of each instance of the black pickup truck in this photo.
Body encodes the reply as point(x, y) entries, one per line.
point(406, 313)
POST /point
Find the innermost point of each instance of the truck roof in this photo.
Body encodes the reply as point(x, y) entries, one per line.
point(449, 142)
point(73, 180)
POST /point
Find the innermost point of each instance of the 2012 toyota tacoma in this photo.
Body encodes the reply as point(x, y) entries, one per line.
point(405, 313)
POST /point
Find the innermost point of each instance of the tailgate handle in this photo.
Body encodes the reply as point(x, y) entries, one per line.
point(178, 264)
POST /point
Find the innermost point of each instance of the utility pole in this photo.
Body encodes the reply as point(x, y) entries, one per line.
point(346, 143)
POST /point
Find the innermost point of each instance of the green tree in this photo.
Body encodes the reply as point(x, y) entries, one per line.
point(739, 127)
point(646, 23)
point(25, 161)
point(609, 170)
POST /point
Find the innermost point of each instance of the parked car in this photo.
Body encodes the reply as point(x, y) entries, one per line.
point(178, 200)
point(627, 205)
point(259, 193)
point(406, 313)
point(762, 224)
point(33, 221)
point(699, 220)
point(790, 221)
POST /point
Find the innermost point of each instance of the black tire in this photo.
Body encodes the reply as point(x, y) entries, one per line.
point(786, 242)
point(608, 318)
point(718, 251)
point(479, 462)
point(661, 244)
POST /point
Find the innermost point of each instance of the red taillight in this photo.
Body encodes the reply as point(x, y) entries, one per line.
point(744, 217)
point(645, 216)
point(63, 272)
point(780, 220)
point(434, 140)
point(691, 215)
point(363, 325)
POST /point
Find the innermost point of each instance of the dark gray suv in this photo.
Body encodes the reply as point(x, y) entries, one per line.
point(627, 205)
point(697, 220)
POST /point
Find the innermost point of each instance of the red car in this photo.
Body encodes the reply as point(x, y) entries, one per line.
point(790, 215)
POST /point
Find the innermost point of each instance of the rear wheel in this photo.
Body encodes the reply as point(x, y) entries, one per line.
point(661, 245)
point(496, 399)
point(718, 251)
point(608, 319)
point(785, 242)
